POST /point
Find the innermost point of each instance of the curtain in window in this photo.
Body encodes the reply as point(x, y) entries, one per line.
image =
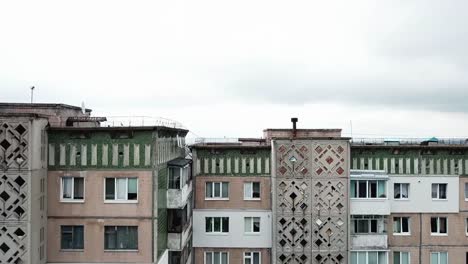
point(247, 224)
point(396, 225)
point(110, 237)
point(132, 237)
point(110, 188)
point(434, 190)
point(217, 257)
point(381, 193)
point(217, 189)
point(132, 188)
point(434, 258)
point(404, 190)
point(78, 188)
point(396, 191)
point(382, 258)
point(372, 257)
point(224, 258)
point(121, 189)
point(256, 224)
point(247, 190)
point(442, 191)
point(443, 225)
point(67, 187)
point(362, 257)
point(122, 237)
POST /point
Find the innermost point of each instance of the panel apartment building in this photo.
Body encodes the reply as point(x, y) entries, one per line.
point(329, 199)
point(73, 191)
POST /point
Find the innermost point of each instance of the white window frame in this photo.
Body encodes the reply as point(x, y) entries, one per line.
point(400, 253)
point(367, 189)
point(212, 257)
point(401, 226)
point(250, 196)
point(466, 191)
point(438, 256)
point(252, 232)
point(72, 200)
point(466, 226)
point(212, 232)
point(213, 183)
point(438, 191)
point(251, 255)
point(438, 226)
point(401, 188)
point(367, 255)
point(115, 200)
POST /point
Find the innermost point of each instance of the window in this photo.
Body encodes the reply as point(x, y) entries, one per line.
point(72, 189)
point(466, 191)
point(466, 226)
point(217, 190)
point(401, 191)
point(121, 189)
point(439, 191)
point(216, 258)
point(368, 224)
point(252, 224)
point(401, 257)
point(72, 237)
point(401, 225)
point(178, 177)
point(368, 257)
point(217, 224)
point(368, 189)
point(251, 257)
point(438, 225)
point(121, 237)
point(439, 258)
point(252, 191)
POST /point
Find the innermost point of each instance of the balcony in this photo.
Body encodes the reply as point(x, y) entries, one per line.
point(369, 241)
point(178, 240)
point(177, 198)
point(369, 193)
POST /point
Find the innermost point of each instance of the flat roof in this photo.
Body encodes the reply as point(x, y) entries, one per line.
point(40, 105)
point(123, 128)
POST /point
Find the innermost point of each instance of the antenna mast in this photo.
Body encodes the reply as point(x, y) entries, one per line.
point(32, 94)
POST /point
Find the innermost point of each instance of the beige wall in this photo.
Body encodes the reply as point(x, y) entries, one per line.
point(236, 255)
point(463, 202)
point(94, 195)
point(236, 193)
point(94, 242)
point(456, 243)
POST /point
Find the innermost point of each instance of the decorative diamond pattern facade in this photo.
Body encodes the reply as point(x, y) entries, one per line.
point(311, 191)
point(14, 181)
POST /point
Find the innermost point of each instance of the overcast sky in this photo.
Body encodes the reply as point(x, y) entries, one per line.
point(232, 68)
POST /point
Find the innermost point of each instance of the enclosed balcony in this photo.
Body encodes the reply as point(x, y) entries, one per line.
point(179, 183)
point(179, 227)
point(369, 193)
point(368, 232)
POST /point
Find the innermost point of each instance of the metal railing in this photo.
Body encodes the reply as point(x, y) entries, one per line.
point(408, 141)
point(127, 121)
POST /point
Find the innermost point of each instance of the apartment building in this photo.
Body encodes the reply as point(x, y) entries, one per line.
point(73, 191)
point(232, 211)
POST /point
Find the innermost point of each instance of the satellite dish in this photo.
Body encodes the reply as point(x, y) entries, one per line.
point(83, 109)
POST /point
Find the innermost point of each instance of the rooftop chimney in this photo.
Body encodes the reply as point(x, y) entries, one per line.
point(294, 121)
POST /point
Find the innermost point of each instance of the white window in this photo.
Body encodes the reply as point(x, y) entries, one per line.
point(72, 189)
point(438, 225)
point(252, 191)
point(439, 191)
point(216, 258)
point(368, 257)
point(121, 189)
point(466, 191)
point(252, 258)
point(439, 258)
point(368, 189)
point(368, 224)
point(401, 257)
point(217, 190)
point(252, 224)
point(466, 226)
point(217, 224)
point(401, 225)
point(401, 191)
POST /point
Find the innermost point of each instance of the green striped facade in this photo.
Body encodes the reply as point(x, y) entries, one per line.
point(425, 160)
point(235, 162)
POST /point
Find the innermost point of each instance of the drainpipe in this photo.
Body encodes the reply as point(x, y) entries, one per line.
point(420, 237)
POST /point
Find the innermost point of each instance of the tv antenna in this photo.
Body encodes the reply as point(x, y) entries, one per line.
point(32, 93)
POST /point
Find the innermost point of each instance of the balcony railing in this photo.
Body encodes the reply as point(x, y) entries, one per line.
point(369, 241)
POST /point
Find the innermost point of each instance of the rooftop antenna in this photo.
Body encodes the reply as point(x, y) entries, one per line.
point(83, 109)
point(32, 94)
point(351, 126)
